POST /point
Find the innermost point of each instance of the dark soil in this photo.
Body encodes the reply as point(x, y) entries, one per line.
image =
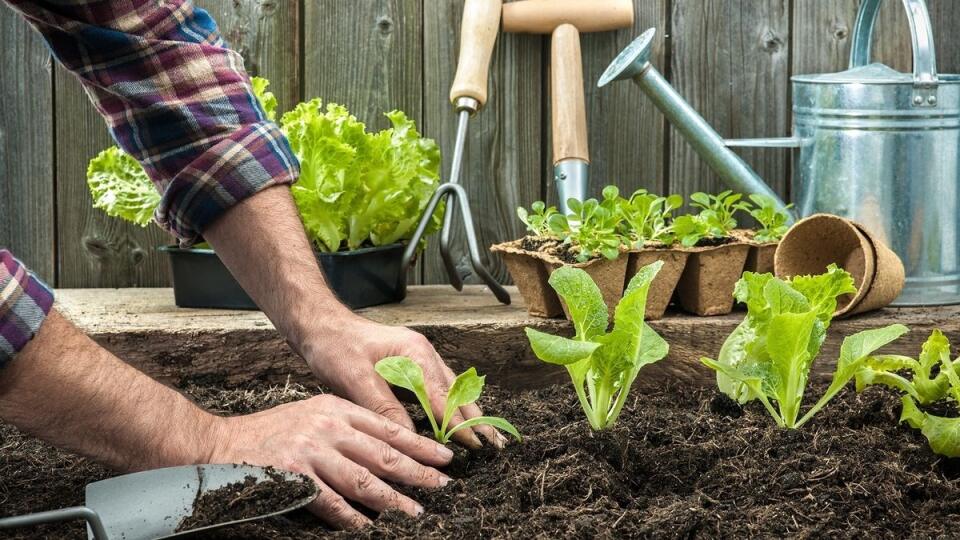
point(682, 463)
point(247, 499)
point(712, 241)
point(565, 252)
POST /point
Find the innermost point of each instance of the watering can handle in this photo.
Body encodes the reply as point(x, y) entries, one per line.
point(921, 30)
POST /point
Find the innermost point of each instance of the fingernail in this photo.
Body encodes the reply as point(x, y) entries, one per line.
point(418, 510)
point(444, 480)
point(444, 452)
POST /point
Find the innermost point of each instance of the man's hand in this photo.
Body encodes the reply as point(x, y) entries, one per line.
point(347, 450)
point(345, 364)
point(263, 244)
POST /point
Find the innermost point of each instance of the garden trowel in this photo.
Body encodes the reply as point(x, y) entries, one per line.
point(150, 504)
point(478, 33)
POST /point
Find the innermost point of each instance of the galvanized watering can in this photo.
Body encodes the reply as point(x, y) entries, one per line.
point(874, 145)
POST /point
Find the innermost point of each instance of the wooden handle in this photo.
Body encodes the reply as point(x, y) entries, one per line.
point(566, 87)
point(543, 16)
point(478, 33)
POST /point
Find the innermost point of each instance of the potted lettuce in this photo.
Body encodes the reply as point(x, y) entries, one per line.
point(361, 195)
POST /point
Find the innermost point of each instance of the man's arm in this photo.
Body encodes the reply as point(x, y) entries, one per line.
point(65, 389)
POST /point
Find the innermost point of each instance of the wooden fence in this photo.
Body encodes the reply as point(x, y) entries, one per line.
point(732, 59)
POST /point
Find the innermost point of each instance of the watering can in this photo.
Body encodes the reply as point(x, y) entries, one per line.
point(872, 144)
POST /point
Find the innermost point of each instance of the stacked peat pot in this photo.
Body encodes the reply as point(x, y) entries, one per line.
point(704, 254)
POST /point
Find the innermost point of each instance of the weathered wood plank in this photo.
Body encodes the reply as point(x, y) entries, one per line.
point(27, 221)
point(502, 159)
point(267, 34)
point(627, 143)
point(822, 35)
point(470, 329)
point(94, 250)
point(730, 61)
point(366, 56)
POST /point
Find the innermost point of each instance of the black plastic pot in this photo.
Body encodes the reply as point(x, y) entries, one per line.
point(200, 280)
point(365, 277)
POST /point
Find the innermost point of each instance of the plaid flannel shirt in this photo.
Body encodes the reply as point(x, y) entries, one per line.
point(175, 98)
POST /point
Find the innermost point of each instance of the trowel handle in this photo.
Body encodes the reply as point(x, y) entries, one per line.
point(58, 516)
point(567, 98)
point(478, 34)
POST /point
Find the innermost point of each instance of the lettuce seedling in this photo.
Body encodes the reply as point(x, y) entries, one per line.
point(537, 219)
point(717, 211)
point(690, 229)
point(647, 217)
point(769, 355)
point(772, 221)
point(466, 388)
point(924, 387)
point(592, 227)
point(602, 365)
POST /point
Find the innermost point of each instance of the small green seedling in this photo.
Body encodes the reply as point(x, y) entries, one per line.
point(647, 217)
point(769, 355)
point(403, 372)
point(592, 226)
point(773, 222)
point(690, 229)
point(602, 365)
point(717, 211)
point(537, 219)
point(921, 389)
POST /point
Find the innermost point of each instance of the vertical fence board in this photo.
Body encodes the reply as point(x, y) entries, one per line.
point(502, 159)
point(627, 144)
point(97, 251)
point(267, 34)
point(26, 147)
point(730, 61)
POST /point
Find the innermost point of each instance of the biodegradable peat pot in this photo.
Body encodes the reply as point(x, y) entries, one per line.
point(663, 286)
point(760, 258)
point(200, 280)
point(530, 275)
point(706, 286)
point(367, 276)
point(820, 240)
point(608, 275)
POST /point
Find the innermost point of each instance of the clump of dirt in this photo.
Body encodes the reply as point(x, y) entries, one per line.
point(680, 463)
point(712, 241)
point(555, 248)
point(243, 500)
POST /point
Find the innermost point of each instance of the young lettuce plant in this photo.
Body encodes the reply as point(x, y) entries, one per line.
point(602, 365)
point(537, 219)
point(773, 222)
point(405, 373)
point(717, 211)
point(943, 434)
point(690, 230)
point(769, 355)
point(647, 217)
point(592, 226)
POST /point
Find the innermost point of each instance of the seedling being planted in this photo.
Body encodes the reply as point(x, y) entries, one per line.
point(405, 373)
point(772, 222)
point(769, 355)
point(602, 365)
point(923, 388)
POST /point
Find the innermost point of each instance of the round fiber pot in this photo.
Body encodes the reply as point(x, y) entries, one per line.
point(662, 287)
point(530, 275)
point(823, 239)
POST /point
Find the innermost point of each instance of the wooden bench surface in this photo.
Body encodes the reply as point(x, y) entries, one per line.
point(144, 327)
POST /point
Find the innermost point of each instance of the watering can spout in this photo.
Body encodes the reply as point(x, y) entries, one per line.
point(634, 63)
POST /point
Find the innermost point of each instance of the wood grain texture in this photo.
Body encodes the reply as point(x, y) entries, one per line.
point(626, 132)
point(469, 329)
point(27, 222)
point(822, 35)
point(267, 34)
point(730, 61)
point(502, 161)
point(567, 102)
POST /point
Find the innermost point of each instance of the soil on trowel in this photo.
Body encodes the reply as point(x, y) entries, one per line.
point(243, 500)
point(681, 463)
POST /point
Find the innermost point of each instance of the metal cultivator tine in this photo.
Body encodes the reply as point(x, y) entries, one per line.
point(456, 196)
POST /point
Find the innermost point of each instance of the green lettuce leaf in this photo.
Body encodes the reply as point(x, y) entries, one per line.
point(121, 188)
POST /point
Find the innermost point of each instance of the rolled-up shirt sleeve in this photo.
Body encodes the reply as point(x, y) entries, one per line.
point(174, 97)
point(24, 304)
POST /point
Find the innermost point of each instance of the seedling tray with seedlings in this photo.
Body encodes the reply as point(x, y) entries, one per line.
point(703, 254)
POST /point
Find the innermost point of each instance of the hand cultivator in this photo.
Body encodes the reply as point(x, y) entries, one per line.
point(481, 22)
